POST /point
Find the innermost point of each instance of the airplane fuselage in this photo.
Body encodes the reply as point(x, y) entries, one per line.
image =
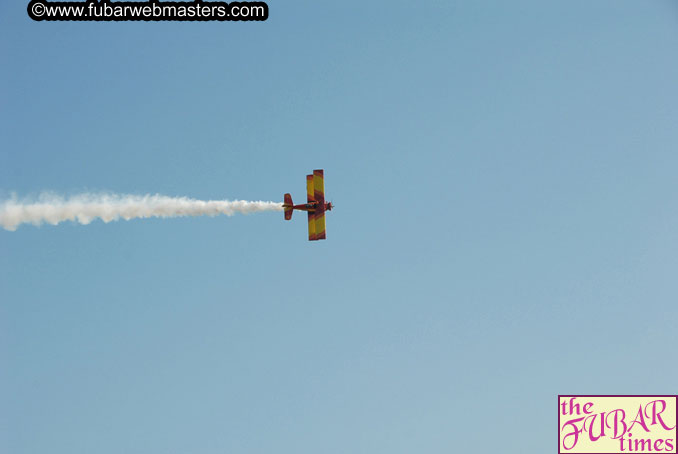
point(310, 206)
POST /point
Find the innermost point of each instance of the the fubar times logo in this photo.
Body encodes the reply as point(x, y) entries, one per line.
point(595, 424)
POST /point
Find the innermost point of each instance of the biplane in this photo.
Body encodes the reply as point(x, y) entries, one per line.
point(315, 205)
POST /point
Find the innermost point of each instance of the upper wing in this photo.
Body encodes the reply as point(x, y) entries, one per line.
point(310, 190)
point(319, 194)
point(315, 192)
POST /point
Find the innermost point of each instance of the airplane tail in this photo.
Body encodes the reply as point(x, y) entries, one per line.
point(288, 207)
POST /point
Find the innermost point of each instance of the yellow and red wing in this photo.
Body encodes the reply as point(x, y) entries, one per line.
point(315, 192)
point(319, 194)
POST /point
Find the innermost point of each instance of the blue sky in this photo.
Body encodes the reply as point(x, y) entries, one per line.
point(505, 230)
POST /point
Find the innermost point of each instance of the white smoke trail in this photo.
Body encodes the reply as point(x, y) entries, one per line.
point(85, 208)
